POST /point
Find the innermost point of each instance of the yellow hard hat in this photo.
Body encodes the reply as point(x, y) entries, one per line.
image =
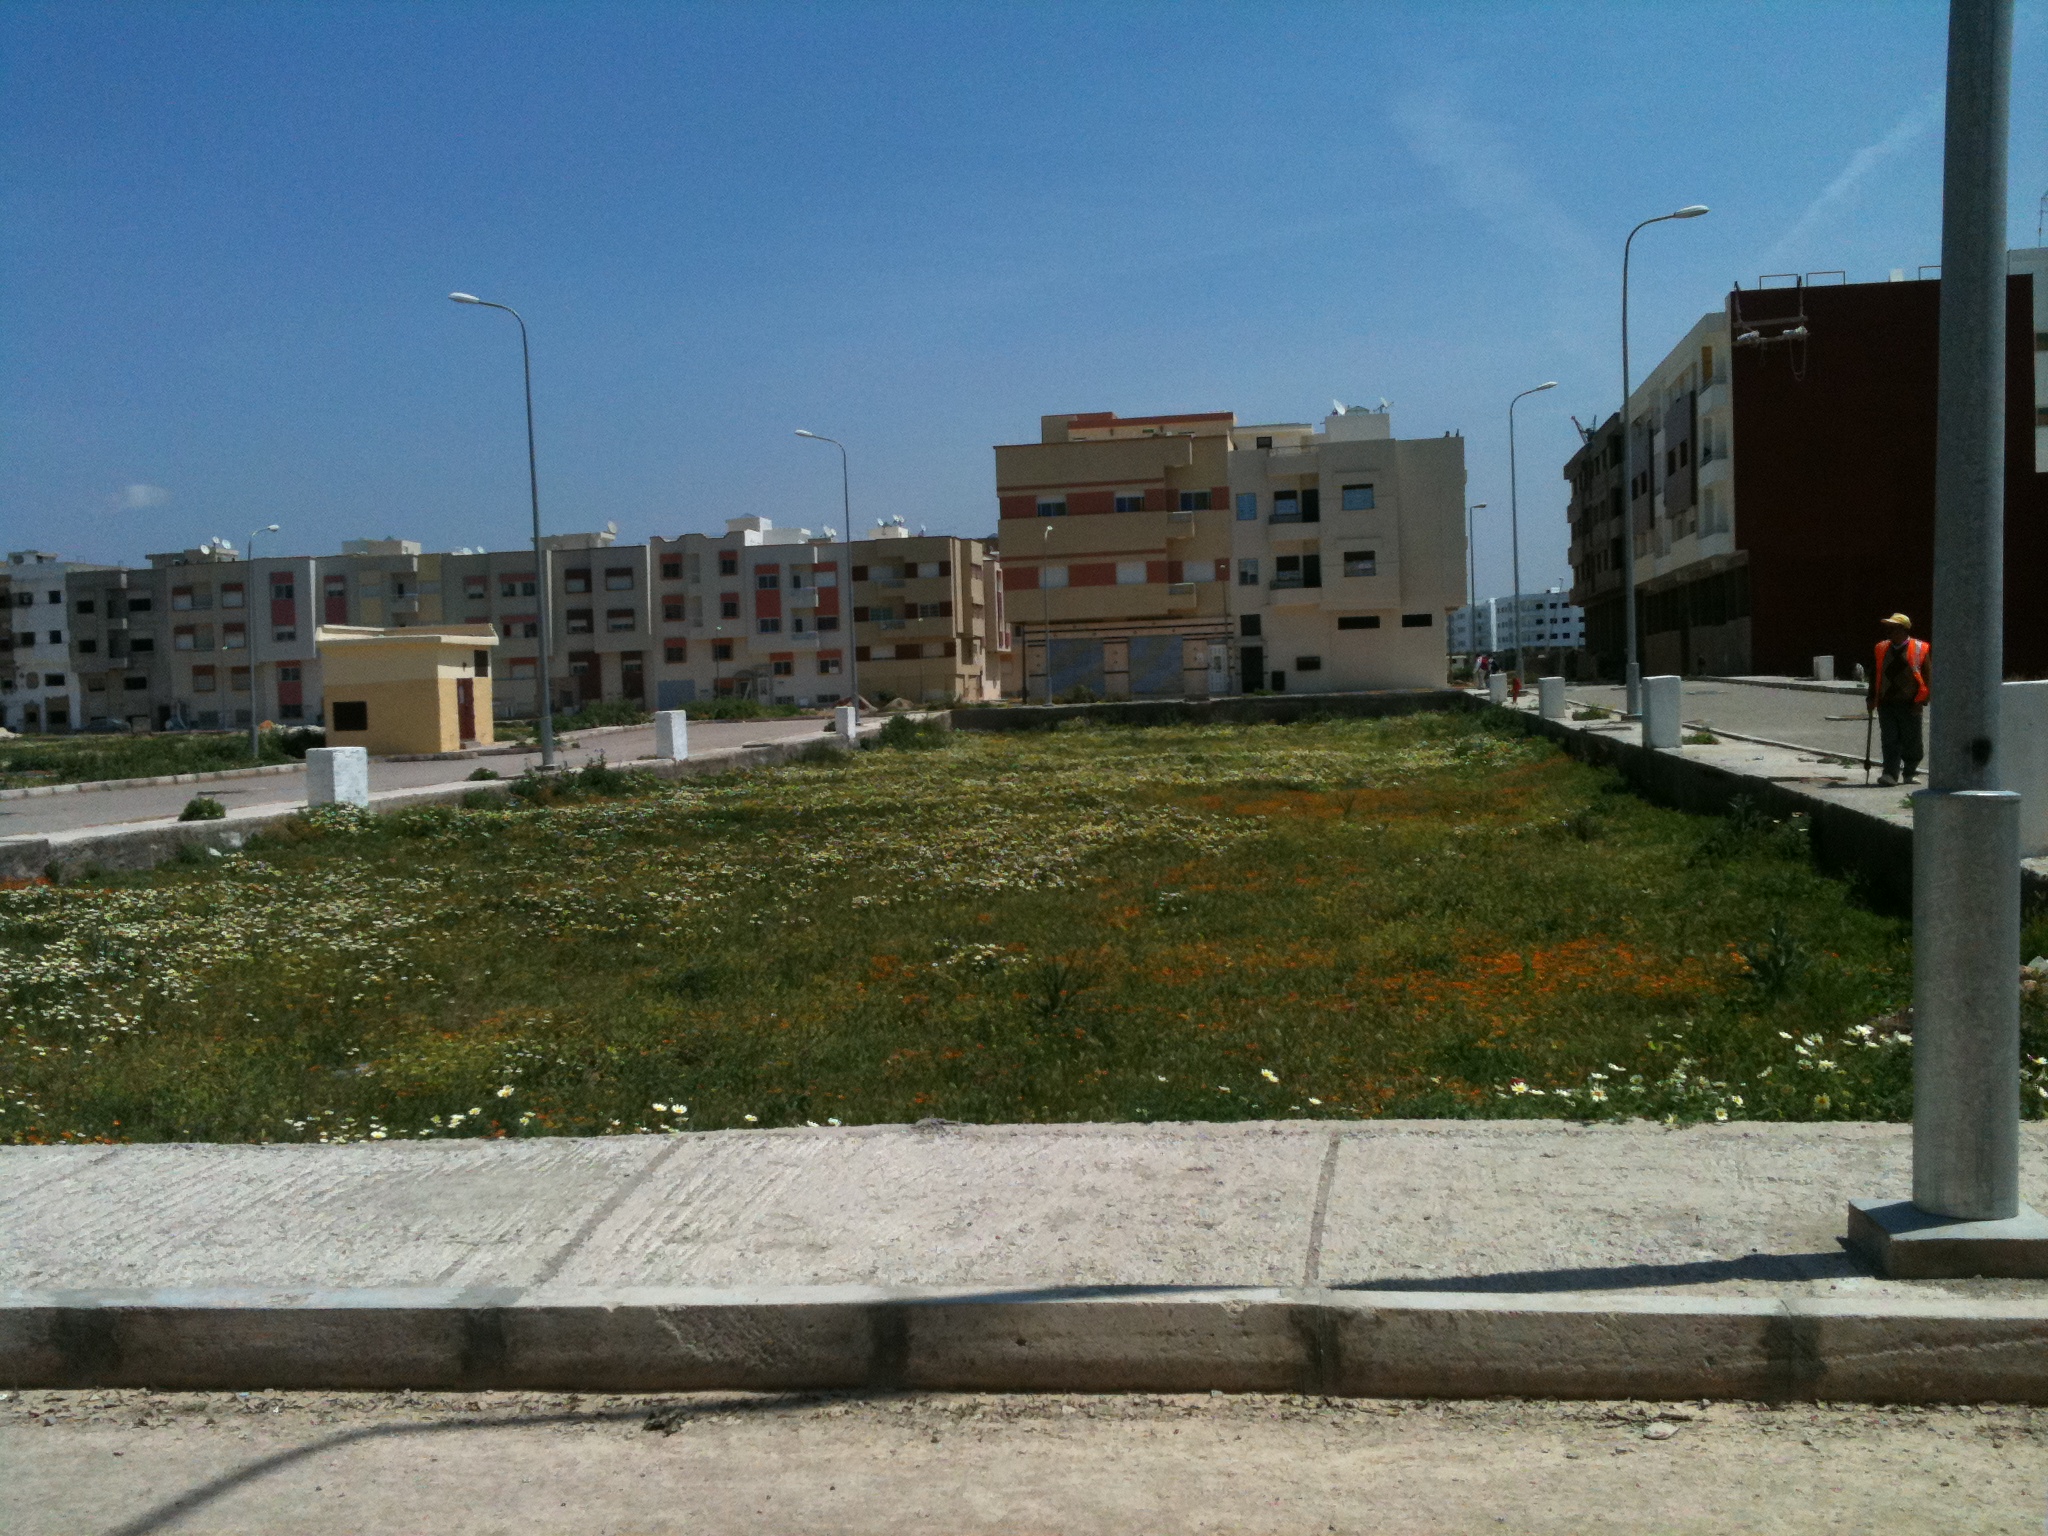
point(1899, 619)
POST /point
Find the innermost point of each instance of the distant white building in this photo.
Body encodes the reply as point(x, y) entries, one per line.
point(39, 690)
point(1550, 622)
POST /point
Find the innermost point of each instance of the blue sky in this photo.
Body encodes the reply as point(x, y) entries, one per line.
point(227, 231)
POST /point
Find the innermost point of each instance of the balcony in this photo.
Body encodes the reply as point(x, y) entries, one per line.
point(1181, 594)
point(1180, 525)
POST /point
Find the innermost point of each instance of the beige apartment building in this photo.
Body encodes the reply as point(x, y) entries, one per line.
point(771, 614)
point(1188, 556)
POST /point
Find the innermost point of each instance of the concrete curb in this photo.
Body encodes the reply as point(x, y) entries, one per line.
point(1797, 684)
point(89, 786)
point(144, 845)
point(1076, 1339)
point(1236, 710)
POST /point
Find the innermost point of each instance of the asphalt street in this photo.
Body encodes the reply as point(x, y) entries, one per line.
point(45, 814)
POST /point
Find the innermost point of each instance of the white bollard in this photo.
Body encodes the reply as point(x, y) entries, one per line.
point(2023, 748)
point(672, 734)
point(1824, 669)
point(1660, 711)
point(338, 776)
point(846, 721)
point(1496, 687)
point(1550, 697)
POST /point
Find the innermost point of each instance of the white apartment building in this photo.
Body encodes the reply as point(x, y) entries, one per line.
point(40, 690)
point(1549, 622)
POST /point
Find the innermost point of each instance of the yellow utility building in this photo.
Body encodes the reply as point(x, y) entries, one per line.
point(415, 689)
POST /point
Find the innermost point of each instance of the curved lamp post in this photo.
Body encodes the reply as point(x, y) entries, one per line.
point(544, 682)
point(1472, 579)
point(255, 692)
point(1633, 668)
point(1515, 526)
point(846, 592)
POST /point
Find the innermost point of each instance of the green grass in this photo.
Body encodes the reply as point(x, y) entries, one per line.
point(1428, 916)
point(82, 758)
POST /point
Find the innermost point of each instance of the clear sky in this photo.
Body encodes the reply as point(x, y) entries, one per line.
point(227, 232)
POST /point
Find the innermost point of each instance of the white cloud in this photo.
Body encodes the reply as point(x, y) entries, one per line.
point(1488, 177)
point(1923, 115)
point(137, 498)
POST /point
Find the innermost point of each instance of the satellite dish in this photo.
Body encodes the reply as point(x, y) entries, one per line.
point(611, 527)
point(1386, 404)
point(1337, 407)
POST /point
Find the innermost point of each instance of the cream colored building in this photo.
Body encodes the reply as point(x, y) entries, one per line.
point(1187, 556)
point(420, 688)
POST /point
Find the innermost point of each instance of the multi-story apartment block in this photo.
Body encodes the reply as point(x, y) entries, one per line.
point(1783, 494)
point(1189, 556)
point(771, 613)
point(40, 690)
point(1550, 623)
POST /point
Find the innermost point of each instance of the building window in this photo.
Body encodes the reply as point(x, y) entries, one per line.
point(234, 637)
point(782, 668)
point(56, 637)
point(238, 679)
point(1133, 501)
point(766, 579)
point(142, 645)
point(1262, 442)
point(351, 715)
point(1248, 571)
point(475, 588)
point(181, 638)
point(721, 650)
point(1287, 506)
point(672, 612)
point(676, 652)
point(828, 666)
point(1357, 498)
point(1248, 504)
point(282, 589)
point(517, 586)
point(181, 599)
point(580, 621)
point(1052, 575)
point(1360, 562)
point(728, 563)
point(728, 607)
point(135, 684)
point(672, 570)
point(1130, 573)
point(142, 604)
point(577, 580)
point(203, 680)
point(88, 647)
point(85, 605)
point(1308, 663)
point(618, 621)
point(771, 626)
point(522, 668)
point(1194, 501)
point(1417, 620)
point(284, 634)
point(828, 623)
point(1051, 508)
point(1250, 626)
point(1358, 621)
point(520, 628)
point(618, 578)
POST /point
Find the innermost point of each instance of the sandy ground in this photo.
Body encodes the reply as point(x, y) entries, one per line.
point(133, 1462)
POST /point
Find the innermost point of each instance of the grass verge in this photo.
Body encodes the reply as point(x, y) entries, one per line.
point(1428, 916)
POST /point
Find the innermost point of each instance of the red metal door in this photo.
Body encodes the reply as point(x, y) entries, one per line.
point(465, 708)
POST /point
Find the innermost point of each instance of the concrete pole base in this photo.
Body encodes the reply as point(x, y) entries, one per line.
point(1496, 687)
point(846, 721)
point(1660, 711)
point(1632, 684)
point(672, 734)
point(1550, 697)
point(338, 776)
point(1906, 1243)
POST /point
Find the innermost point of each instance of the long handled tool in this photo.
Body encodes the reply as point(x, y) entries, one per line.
point(1869, 719)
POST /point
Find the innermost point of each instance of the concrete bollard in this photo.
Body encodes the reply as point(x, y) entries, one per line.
point(338, 776)
point(672, 734)
point(1496, 687)
point(1660, 711)
point(1824, 669)
point(845, 720)
point(1550, 697)
point(2023, 748)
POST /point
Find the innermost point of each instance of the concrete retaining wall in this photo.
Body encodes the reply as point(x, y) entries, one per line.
point(1380, 1344)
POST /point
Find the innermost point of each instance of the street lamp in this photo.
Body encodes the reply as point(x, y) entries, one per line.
point(255, 691)
point(1633, 672)
point(1045, 608)
point(1471, 578)
point(846, 599)
point(543, 683)
point(1515, 526)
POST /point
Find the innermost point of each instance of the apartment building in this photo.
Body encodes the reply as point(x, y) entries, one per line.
point(1784, 486)
point(1550, 623)
point(1189, 556)
point(40, 689)
point(771, 613)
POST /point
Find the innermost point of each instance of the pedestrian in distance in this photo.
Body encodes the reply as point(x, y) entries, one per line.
point(1898, 691)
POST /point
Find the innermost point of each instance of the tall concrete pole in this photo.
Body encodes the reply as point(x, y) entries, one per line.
point(1515, 527)
point(1966, 882)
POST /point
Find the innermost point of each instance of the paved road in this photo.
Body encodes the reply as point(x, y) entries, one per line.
point(462, 1465)
point(1781, 714)
point(62, 813)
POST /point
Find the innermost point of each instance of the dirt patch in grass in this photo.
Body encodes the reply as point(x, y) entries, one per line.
point(1425, 916)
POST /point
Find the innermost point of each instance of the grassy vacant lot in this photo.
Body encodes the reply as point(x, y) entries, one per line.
point(1429, 916)
point(77, 759)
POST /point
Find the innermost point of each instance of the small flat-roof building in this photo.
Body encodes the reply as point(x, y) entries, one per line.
point(424, 688)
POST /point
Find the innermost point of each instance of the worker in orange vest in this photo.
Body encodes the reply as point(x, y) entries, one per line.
point(1897, 695)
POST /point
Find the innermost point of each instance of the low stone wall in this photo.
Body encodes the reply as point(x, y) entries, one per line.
point(1274, 709)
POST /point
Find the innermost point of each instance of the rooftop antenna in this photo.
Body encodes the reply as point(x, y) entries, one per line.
point(1385, 405)
point(1337, 407)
